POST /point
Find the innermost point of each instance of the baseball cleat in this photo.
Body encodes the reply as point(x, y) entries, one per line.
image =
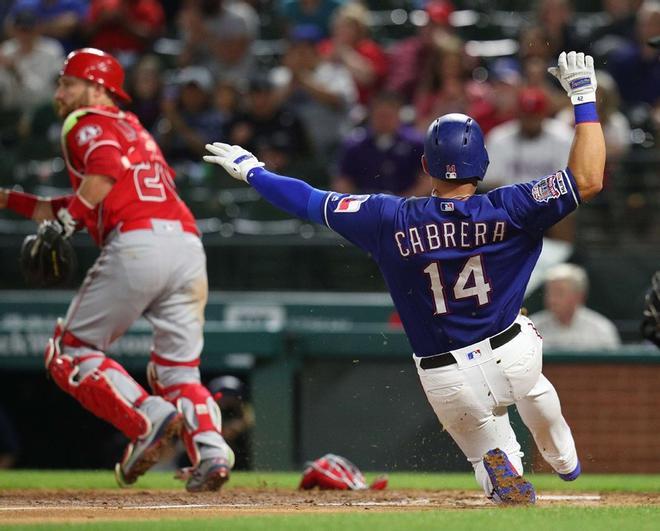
point(209, 476)
point(572, 476)
point(145, 452)
point(509, 487)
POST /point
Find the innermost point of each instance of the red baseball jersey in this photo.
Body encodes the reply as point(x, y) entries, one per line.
point(107, 141)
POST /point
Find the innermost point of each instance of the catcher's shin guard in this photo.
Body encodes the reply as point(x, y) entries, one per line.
point(202, 418)
point(100, 384)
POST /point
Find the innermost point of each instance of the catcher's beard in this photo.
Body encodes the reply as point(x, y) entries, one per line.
point(83, 100)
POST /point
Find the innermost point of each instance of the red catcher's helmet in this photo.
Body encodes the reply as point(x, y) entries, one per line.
point(96, 66)
point(333, 472)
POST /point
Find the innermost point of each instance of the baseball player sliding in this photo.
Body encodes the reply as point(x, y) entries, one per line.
point(152, 264)
point(456, 265)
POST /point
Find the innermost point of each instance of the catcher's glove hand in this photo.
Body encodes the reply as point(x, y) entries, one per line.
point(651, 321)
point(47, 258)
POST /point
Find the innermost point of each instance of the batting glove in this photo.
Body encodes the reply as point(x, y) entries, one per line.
point(575, 72)
point(234, 159)
point(65, 223)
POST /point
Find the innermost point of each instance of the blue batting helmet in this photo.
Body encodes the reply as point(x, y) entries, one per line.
point(454, 148)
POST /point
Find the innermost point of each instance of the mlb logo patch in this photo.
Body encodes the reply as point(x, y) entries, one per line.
point(446, 207)
point(450, 172)
point(351, 203)
point(474, 355)
point(550, 187)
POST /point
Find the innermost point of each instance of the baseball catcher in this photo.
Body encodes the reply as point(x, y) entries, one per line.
point(47, 258)
point(152, 264)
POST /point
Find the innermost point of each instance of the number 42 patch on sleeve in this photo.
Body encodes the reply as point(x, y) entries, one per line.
point(351, 203)
point(550, 187)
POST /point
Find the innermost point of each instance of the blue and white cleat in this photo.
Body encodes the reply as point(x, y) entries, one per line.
point(509, 488)
point(572, 476)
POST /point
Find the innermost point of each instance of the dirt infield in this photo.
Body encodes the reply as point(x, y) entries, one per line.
point(44, 506)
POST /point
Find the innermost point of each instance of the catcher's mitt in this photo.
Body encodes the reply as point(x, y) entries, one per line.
point(47, 257)
point(651, 321)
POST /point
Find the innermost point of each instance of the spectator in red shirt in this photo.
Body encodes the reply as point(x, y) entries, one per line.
point(124, 26)
point(351, 46)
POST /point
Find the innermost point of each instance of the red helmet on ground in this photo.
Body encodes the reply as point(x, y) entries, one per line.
point(333, 472)
point(96, 66)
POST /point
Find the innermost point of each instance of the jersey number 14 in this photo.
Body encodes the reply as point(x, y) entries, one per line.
point(471, 282)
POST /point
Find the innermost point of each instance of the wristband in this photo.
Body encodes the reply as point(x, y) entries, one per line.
point(61, 201)
point(585, 112)
point(78, 208)
point(22, 203)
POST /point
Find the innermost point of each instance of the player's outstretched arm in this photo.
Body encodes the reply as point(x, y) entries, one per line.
point(31, 206)
point(68, 210)
point(586, 161)
point(294, 196)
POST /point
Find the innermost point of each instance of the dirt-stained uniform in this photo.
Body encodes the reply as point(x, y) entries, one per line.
point(151, 264)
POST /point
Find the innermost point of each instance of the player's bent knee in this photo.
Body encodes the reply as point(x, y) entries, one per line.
point(97, 391)
point(98, 383)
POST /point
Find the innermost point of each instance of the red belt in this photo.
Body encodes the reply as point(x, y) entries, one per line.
point(145, 224)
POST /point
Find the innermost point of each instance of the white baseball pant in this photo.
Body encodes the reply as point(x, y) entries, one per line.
point(471, 397)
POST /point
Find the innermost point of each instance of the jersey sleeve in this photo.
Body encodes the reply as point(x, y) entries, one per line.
point(536, 206)
point(359, 218)
point(90, 142)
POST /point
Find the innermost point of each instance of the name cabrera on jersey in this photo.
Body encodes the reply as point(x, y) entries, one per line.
point(107, 141)
point(456, 270)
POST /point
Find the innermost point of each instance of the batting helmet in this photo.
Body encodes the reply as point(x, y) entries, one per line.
point(454, 148)
point(96, 66)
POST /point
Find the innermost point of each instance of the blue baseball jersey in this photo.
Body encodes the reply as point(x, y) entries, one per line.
point(457, 270)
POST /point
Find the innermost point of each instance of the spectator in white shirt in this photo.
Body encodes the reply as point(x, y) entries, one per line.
point(29, 63)
point(525, 149)
point(566, 323)
point(533, 145)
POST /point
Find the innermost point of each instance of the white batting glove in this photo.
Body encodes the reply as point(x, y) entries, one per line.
point(575, 72)
point(66, 224)
point(234, 159)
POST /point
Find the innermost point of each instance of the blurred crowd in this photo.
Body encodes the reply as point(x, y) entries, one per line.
point(339, 92)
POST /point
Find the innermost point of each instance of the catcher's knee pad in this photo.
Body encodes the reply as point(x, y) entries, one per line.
point(101, 385)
